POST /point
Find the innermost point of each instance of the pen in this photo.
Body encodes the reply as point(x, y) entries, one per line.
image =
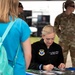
point(55, 68)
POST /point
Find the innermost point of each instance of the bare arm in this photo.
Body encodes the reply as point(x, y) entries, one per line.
point(27, 52)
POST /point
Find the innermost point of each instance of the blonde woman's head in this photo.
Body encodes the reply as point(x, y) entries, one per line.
point(48, 35)
point(48, 29)
point(8, 8)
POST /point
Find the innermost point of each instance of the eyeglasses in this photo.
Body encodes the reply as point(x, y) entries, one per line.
point(72, 6)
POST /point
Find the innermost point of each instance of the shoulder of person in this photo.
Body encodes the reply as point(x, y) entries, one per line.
point(20, 20)
point(37, 43)
point(58, 17)
point(56, 45)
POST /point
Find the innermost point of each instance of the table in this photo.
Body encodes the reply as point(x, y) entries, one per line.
point(38, 72)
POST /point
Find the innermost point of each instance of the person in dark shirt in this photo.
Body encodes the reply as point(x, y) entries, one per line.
point(21, 13)
point(46, 54)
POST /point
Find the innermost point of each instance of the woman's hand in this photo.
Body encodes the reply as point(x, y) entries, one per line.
point(61, 66)
point(48, 67)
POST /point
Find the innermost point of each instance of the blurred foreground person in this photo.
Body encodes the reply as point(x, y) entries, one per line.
point(17, 38)
point(46, 54)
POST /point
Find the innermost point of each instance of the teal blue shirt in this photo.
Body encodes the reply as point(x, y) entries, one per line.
point(19, 33)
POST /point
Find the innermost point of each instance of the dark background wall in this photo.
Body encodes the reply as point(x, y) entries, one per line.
point(28, 13)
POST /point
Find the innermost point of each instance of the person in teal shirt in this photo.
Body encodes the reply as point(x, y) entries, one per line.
point(18, 36)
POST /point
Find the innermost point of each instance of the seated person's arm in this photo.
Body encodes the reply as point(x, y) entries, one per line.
point(61, 59)
point(35, 64)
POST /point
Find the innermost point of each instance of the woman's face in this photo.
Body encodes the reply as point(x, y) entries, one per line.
point(72, 7)
point(49, 39)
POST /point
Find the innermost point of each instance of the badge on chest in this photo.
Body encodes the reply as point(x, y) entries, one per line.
point(41, 52)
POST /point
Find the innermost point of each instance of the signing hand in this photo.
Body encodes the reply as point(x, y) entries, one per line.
point(61, 66)
point(48, 67)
